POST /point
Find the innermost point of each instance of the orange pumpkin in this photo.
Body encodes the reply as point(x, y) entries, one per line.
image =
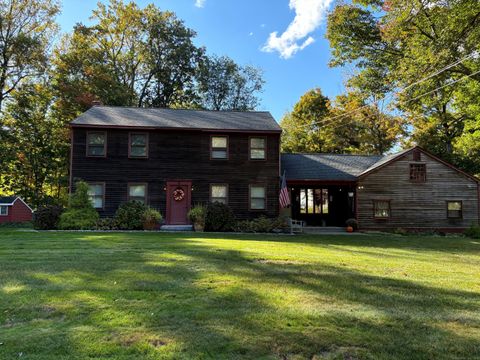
point(349, 229)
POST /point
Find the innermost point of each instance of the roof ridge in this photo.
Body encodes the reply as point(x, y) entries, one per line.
point(312, 153)
point(182, 109)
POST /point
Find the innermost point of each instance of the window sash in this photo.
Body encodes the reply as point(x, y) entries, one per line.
point(258, 197)
point(257, 148)
point(3, 210)
point(382, 209)
point(137, 192)
point(96, 194)
point(454, 209)
point(138, 145)
point(418, 172)
point(219, 193)
point(219, 147)
point(96, 143)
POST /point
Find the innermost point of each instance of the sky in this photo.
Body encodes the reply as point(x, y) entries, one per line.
point(285, 38)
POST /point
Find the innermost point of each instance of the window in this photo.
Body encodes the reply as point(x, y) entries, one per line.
point(96, 193)
point(138, 145)
point(257, 197)
point(314, 201)
point(137, 192)
point(381, 209)
point(3, 210)
point(219, 193)
point(219, 147)
point(454, 209)
point(257, 148)
point(418, 172)
point(96, 143)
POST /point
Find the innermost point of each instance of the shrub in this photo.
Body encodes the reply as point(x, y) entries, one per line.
point(130, 215)
point(473, 232)
point(106, 224)
point(352, 223)
point(47, 217)
point(151, 218)
point(197, 214)
point(281, 224)
point(219, 217)
point(80, 214)
point(263, 225)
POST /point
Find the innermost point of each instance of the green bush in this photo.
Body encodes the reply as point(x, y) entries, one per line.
point(130, 215)
point(47, 217)
point(80, 214)
point(151, 219)
point(263, 224)
point(106, 224)
point(473, 232)
point(197, 214)
point(219, 217)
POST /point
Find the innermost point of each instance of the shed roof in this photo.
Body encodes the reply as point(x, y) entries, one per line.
point(7, 200)
point(116, 116)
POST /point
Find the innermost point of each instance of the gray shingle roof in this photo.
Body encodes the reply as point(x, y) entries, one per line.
point(7, 199)
point(113, 116)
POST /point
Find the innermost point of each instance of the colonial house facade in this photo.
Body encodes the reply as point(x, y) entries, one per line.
point(173, 159)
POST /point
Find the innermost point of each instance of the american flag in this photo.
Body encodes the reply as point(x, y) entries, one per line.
point(284, 198)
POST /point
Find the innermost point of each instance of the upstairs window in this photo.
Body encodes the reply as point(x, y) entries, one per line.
point(381, 209)
point(3, 210)
point(96, 193)
point(418, 173)
point(257, 148)
point(219, 147)
point(219, 193)
point(138, 145)
point(454, 209)
point(96, 143)
point(257, 197)
point(137, 192)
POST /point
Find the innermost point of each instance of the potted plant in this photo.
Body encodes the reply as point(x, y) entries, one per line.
point(197, 216)
point(151, 219)
point(352, 225)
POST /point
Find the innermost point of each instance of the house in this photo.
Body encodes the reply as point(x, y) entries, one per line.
point(14, 210)
point(411, 189)
point(172, 159)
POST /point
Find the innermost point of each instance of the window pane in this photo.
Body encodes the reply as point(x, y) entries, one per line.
point(318, 201)
point(382, 209)
point(219, 142)
point(258, 143)
point(310, 201)
point(257, 191)
point(219, 191)
point(303, 201)
point(95, 189)
point(96, 138)
point(3, 210)
point(257, 154)
point(454, 205)
point(138, 139)
point(97, 202)
point(137, 190)
point(96, 150)
point(257, 204)
point(138, 151)
point(325, 201)
point(219, 154)
point(220, 200)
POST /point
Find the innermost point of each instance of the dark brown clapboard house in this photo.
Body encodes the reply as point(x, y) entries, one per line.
point(173, 159)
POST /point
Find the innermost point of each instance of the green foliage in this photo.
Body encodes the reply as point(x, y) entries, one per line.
point(473, 231)
point(151, 218)
point(80, 214)
point(104, 224)
point(262, 224)
point(197, 214)
point(47, 217)
point(130, 215)
point(353, 223)
point(219, 217)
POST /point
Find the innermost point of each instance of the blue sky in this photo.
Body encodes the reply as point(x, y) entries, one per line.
point(241, 29)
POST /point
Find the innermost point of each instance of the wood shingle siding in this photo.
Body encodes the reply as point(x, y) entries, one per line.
point(179, 155)
point(417, 205)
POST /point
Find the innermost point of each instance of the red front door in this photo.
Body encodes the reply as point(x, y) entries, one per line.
point(178, 202)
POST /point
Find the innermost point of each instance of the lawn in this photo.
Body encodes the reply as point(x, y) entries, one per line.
point(176, 296)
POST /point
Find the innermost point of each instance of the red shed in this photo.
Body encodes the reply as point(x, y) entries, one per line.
point(14, 209)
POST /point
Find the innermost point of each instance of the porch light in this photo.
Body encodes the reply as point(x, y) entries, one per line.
point(350, 194)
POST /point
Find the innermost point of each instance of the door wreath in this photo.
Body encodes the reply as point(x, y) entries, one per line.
point(178, 194)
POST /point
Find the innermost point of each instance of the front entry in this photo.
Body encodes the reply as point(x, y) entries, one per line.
point(178, 202)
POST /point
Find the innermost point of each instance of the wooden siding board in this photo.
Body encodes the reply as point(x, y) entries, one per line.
point(179, 155)
point(417, 205)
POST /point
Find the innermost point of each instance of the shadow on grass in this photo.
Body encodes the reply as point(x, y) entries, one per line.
point(111, 296)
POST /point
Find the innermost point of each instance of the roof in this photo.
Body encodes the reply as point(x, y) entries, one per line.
point(116, 116)
point(7, 200)
point(330, 167)
point(385, 160)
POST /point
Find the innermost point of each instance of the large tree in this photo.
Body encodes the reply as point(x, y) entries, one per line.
point(412, 48)
point(26, 29)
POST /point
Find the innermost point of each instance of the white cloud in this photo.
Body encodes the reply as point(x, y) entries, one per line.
point(200, 3)
point(251, 33)
point(308, 16)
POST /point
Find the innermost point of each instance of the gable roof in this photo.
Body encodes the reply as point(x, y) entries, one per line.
point(117, 116)
point(7, 200)
point(333, 167)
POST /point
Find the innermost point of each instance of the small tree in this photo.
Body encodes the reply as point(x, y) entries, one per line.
point(80, 215)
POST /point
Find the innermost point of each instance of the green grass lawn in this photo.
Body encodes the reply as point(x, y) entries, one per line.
point(175, 296)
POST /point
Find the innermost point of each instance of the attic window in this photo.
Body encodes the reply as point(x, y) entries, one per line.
point(3, 210)
point(418, 173)
point(417, 155)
